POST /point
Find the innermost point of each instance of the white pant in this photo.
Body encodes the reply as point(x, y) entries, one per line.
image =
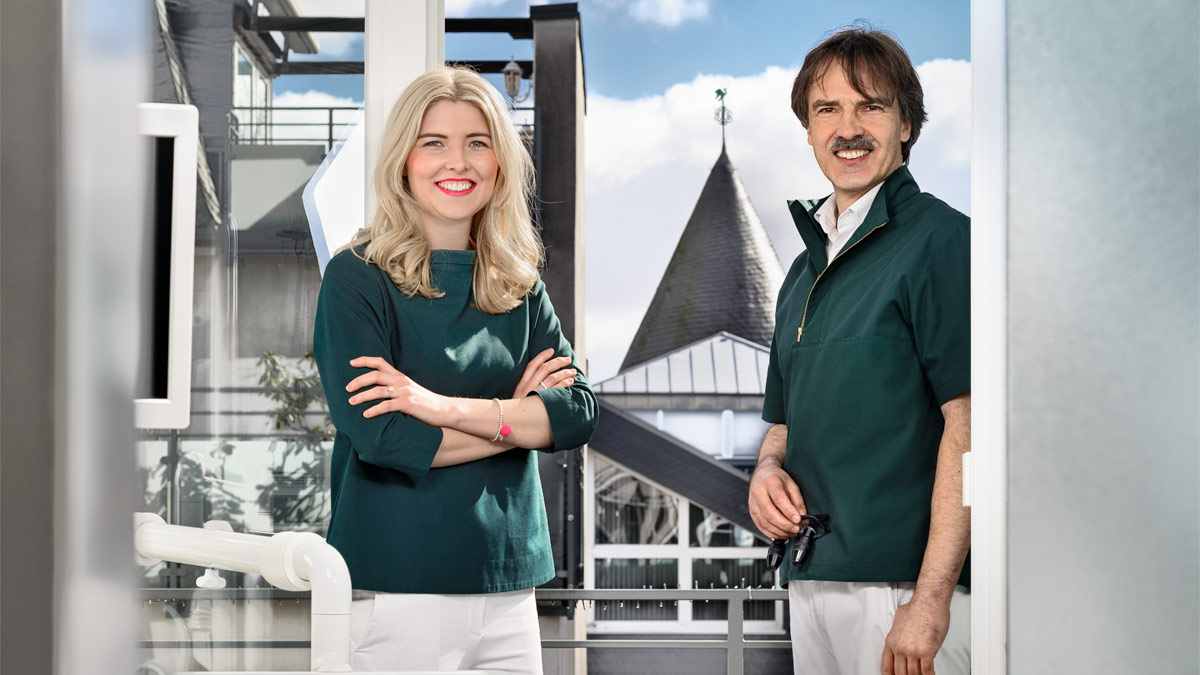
point(838, 627)
point(494, 632)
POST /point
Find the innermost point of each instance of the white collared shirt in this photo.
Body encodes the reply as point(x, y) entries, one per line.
point(840, 229)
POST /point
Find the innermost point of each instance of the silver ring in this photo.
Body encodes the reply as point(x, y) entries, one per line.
point(390, 390)
point(543, 383)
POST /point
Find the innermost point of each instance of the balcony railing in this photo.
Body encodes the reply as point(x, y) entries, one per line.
point(290, 125)
point(252, 402)
point(310, 125)
point(734, 642)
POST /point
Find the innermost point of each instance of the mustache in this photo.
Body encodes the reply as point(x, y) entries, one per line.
point(861, 142)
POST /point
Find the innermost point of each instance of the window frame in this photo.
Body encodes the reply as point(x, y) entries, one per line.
point(681, 551)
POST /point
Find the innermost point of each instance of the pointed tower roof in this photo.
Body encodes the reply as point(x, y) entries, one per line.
point(724, 275)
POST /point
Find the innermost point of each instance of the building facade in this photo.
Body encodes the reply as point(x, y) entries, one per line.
point(680, 428)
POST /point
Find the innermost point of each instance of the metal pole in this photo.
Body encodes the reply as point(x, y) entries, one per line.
point(329, 147)
point(537, 157)
point(734, 653)
point(172, 478)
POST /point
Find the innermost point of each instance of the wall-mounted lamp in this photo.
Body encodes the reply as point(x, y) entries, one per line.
point(512, 82)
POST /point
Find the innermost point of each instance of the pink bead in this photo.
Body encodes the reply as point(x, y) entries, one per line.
point(505, 430)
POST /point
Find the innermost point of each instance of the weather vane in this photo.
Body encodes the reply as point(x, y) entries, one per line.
point(722, 115)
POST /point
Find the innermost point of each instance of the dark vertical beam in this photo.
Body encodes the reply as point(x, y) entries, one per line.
point(558, 81)
point(559, 93)
point(30, 107)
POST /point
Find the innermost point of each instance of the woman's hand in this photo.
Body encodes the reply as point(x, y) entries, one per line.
point(398, 393)
point(544, 372)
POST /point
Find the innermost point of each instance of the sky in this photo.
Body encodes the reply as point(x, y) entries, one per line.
point(651, 68)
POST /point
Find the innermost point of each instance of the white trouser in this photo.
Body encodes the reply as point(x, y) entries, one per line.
point(838, 627)
point(494, 632)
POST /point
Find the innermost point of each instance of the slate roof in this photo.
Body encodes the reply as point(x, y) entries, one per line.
point(724, 275)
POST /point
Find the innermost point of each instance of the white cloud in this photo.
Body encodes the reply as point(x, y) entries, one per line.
point(331, 7)
point(941, 158)
point(295, 124)
point(332, 45)
point(461, 7)
point(313, 99)
point(338, 45)
point(358, 7)
point(647, 160)
point(669, 12)
point(609, 331)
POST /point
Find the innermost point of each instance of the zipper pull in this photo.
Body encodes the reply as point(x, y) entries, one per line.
point(799, 332)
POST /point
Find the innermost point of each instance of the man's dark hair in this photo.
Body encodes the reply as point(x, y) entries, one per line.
point(865, 55)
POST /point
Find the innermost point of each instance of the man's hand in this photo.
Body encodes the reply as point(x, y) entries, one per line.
point(775, 500)
point(921, 625)
point(916, 636)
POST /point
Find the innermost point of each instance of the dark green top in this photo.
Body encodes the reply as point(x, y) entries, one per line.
point(403, 527)
point(886, 341)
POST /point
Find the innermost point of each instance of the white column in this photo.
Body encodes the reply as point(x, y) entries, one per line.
point(989, 345)
point(404, 38)
point(99, 61)
point(686, 575)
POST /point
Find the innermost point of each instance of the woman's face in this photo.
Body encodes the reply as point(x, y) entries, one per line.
point(451, 171)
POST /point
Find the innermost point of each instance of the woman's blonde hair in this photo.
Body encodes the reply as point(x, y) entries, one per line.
point(508, 251)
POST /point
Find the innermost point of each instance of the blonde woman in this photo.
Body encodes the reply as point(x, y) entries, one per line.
point(443, 365)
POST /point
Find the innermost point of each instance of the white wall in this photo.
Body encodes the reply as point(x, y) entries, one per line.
point(719, 433)
point(1104, 336)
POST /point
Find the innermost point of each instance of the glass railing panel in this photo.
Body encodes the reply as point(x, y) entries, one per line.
point(228, 630)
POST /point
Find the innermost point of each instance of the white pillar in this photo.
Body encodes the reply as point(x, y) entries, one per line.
point(989, 340)
point(404, 38)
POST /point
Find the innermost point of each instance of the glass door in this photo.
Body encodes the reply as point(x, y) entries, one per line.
point(273, 103)
point(284, 100)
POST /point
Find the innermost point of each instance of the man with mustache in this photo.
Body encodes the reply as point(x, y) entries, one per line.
point(868, 387)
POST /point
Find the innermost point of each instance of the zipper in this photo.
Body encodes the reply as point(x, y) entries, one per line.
point(804, 315)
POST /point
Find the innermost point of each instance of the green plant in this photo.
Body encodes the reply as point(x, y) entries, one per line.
point(202, 492)
point(297, 496)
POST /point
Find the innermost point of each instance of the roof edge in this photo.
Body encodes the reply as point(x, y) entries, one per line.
point(653, 454)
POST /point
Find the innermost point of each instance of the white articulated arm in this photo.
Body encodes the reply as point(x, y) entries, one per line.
point(293, 561)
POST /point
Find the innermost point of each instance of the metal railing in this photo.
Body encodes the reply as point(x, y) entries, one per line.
point(734, 642)
point(280, 125)
point(299, 124)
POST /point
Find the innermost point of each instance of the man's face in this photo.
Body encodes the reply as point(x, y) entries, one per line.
point(855, 138)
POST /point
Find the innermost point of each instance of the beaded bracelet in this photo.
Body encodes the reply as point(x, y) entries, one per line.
point(503, 430)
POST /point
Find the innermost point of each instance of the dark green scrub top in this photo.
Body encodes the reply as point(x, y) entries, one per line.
point(402, 526)
point(866, 350)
